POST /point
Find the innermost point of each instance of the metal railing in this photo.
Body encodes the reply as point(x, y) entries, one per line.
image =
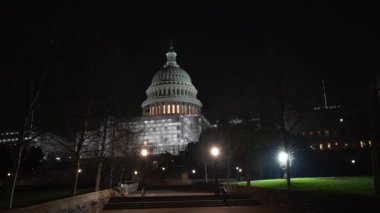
point(224, 193)
point(142, 196)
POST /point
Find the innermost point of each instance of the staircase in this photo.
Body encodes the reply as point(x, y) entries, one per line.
point(179, 201)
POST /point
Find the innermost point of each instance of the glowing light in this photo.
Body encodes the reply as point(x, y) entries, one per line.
point(136, 172)
point(240, 170)
point(79, 170)
point(237, 168)
point(163, 168)
point(144, 152)
point(58, 158)
point(193, 171)
point(353, 161)
point(341, 120)
point(215, 151)
point(283, 157)
point(9, 174)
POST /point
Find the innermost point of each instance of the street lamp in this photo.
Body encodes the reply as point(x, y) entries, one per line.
point(214, 151)
point(144, 153)
point(284, 158)
point(193, 171)
point(353, 162)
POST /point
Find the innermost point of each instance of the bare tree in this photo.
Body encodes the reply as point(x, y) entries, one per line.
point(26, 129)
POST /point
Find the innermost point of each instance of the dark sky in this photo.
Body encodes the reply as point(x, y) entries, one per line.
point(226, 47)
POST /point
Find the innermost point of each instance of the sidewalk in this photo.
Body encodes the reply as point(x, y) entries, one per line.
point(154, 193)
point(227, 209)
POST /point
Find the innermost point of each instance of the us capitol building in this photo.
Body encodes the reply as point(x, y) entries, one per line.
point(171, 113)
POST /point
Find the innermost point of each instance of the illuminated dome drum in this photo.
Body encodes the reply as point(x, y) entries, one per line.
point(171, 91)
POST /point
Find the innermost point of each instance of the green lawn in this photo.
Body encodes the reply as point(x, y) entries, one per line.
point(355, 185)
point(30, 197)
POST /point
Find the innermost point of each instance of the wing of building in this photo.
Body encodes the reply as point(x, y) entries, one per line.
point(171, 113)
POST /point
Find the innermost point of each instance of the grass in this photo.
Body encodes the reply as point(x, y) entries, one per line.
point(352, 185)
point(27, 197)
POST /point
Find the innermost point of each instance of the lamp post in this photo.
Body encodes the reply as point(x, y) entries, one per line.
point(144, 153)
point(214, 151)
point(284, 158)
point(353, 162)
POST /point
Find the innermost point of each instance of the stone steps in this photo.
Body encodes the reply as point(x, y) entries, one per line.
point(178, 202)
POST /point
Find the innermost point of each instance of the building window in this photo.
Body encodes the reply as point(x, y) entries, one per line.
point(327, 132)
point(169, 109)
point(173, 109)
point(321, 146)
point(164, 106)
point(178, 108)
point(328, 146)
point(311, 133)
point(370, 143)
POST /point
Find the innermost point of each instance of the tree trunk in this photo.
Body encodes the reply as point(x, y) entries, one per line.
point(79, 146)
point(101, 154)
point(111, 177)
point(76, 173)
point(16, 173)
point(375, 116)
point(98, 175)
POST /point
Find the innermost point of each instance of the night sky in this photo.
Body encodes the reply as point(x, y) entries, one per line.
point(226, 47)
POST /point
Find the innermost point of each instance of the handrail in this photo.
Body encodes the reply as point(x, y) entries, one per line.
point(142, 196)
point(224, 190)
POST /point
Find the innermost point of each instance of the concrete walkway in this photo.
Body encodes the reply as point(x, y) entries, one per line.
point(154, 193)
point(227, 209)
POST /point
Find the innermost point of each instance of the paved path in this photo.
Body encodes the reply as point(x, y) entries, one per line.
point(227, 209)
point(154, 193)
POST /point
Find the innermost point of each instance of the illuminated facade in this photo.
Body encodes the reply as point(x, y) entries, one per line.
point(171, 113)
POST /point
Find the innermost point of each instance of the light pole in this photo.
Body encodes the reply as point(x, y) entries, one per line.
point(144, 153)
point(284, 159)
point(214, 151)
point(353, 162)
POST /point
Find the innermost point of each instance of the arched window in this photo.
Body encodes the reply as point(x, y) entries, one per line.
point(169, 109)
point(164, 109)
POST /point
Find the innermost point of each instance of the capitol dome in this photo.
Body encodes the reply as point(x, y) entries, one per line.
point(171, 91)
